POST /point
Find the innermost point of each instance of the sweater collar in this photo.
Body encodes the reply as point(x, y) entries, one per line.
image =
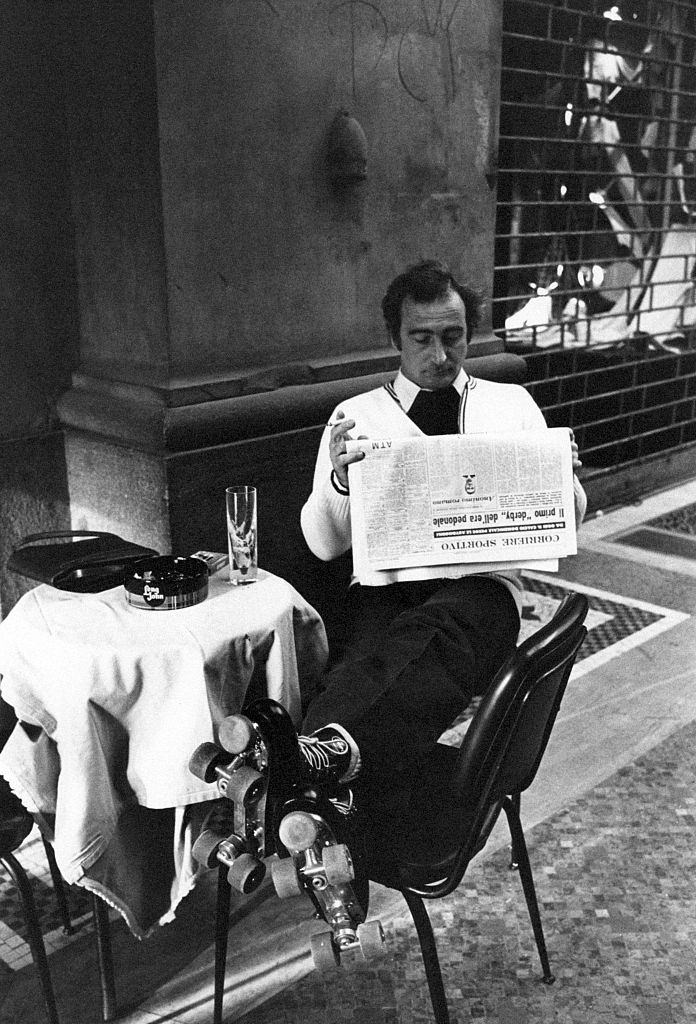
point(406, 391)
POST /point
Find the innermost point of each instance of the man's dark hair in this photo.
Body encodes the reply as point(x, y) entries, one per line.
point(426, 282)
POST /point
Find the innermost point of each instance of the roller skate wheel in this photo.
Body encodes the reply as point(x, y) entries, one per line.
point(372, 939)
point(205, 848)
point(236, 734)
point(285, 879)
point(246, 874)
point(337, 864)
point(324, 953)
point(245, 786)
point(204, 760)
point(298, 830)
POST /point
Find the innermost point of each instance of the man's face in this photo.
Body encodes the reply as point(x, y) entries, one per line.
point(433, 340)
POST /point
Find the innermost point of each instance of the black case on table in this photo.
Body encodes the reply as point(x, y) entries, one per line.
point(85, 561)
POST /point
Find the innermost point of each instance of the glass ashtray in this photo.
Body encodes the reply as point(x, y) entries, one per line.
point(167, 582)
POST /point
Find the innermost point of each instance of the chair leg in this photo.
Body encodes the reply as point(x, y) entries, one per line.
point(36, 942)
point(222, 923)
point(521, 857)
point(100, 914)
point(516, 800)
point(58, 888)
point(431, 961)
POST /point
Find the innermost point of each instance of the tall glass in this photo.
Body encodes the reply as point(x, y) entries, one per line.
point(241, 534)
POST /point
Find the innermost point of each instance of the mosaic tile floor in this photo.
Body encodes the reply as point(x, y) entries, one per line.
point(615, 877)
point(614, 872)
point(673, 533)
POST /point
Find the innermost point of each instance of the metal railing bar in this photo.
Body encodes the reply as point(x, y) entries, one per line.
point(567, 76)
point(595, 472)
point(595, 14)
point(589, 451)
point(566, 142)
point(629, 365)
point(577, 109)
point(625, 414)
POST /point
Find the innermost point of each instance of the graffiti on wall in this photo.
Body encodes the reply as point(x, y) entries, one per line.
point(425, 49)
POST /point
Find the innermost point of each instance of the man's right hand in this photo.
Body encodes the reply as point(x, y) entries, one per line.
point(340, 458)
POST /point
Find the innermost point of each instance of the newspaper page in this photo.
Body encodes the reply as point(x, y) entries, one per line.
point(484, 500)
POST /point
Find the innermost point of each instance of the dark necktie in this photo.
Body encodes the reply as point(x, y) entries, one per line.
point(436, 412)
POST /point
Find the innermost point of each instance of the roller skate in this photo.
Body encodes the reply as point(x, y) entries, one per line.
point(323, 867)
point(280, 788)
point(255, 765)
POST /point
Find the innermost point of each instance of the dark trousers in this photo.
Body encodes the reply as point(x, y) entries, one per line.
point(416, 655)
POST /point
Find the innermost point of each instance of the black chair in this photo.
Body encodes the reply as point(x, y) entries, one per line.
point(498, 760)
point(462, 795)
point(15, 825)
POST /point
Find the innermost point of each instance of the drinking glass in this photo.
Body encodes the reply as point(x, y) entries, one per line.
point(241, 534)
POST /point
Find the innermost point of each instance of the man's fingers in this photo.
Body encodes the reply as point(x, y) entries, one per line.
point(339, 421)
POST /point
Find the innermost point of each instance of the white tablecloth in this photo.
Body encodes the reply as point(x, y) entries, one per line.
point(120, 697)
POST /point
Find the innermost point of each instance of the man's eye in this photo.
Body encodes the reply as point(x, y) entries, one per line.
point(452, 337)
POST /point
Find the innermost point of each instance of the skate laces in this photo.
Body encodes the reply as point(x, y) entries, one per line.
point(320, 753)
point(343, 804)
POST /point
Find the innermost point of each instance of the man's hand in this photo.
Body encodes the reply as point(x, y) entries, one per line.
point(340, 458)
point(575, 451)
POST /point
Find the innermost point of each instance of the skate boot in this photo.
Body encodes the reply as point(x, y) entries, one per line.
point(331, 757)
point(256, 764)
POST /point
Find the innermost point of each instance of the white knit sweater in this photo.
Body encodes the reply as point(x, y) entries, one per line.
point(490, 407)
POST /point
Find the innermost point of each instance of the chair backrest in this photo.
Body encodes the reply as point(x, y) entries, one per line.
point(504, 744)
point(507, 737)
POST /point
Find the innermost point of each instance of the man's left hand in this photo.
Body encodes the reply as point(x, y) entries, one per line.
point(575, 451)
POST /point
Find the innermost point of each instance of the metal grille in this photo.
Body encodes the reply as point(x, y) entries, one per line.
point(596, 218)
point(624, 405)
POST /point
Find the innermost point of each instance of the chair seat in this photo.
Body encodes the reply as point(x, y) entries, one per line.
point(15, 820)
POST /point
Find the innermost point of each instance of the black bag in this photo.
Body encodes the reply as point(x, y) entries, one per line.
point(96, 561)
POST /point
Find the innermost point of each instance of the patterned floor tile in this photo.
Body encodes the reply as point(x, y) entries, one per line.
point(679, 520)
point(672, 533)
point(615, 623)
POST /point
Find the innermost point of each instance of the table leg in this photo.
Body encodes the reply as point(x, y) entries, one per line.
point(100, 913)
point(222, 924)
point(59, 888)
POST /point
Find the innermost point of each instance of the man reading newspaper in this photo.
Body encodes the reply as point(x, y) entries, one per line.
point(423, 640)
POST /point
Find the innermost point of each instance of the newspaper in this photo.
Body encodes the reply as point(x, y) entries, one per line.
point(486, 501)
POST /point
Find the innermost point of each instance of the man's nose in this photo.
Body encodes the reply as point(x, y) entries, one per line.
point(439, 353)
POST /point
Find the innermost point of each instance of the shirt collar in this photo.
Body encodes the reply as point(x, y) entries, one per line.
point(406, 391)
